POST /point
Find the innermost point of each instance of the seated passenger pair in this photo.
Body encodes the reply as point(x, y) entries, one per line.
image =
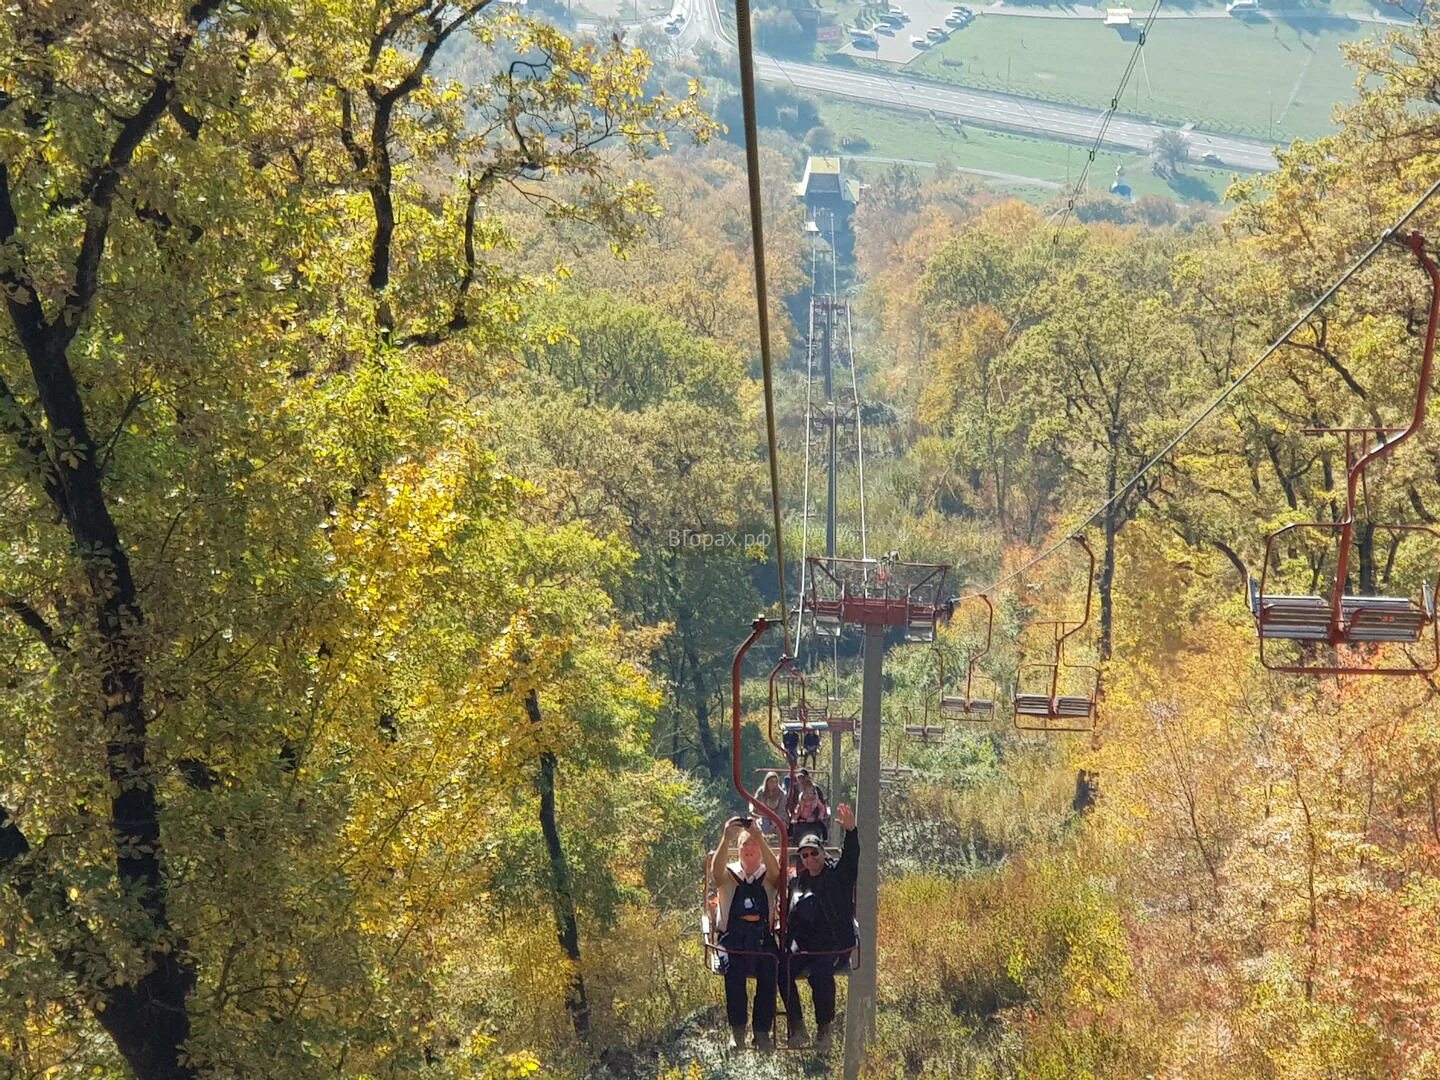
point(819, 932)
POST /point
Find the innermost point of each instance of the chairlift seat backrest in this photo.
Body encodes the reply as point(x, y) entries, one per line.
point(827, 618)
point(1032, 704)
point(924, 731)
point(958, 707)
point(921, 625)
point(1074, 707)
point(1363, 618)
point(1065, 707)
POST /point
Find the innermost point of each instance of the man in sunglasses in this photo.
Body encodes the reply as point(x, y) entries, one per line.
point(821, 928)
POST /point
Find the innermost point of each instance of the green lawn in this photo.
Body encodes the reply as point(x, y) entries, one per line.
point(1266, 79)
point(892, 133)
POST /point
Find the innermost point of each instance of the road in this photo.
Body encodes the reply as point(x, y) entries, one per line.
point(992, 110)
point(1012, 178)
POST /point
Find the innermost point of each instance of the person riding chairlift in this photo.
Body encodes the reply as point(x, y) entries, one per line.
point(772, 795)
point(745, 913)
point(820, 930)
point(810, 815)
point(790, 742)
point(811, 750)
point(794, 791)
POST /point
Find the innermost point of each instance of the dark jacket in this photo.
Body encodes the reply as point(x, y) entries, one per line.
point(822, 906)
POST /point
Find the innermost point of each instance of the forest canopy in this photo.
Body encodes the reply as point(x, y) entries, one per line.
point(365, 370)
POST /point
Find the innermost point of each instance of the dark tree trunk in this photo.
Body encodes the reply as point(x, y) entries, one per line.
point(716, 760)
point(1365, 548)
point(148, 1019)
point(562, 895)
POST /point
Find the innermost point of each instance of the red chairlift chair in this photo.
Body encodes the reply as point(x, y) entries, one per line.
point(973, 703)
point(1048, 710)
point(1338, 619)
point(876, 592)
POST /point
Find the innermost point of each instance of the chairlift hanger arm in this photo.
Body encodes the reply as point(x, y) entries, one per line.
point(1416, 243)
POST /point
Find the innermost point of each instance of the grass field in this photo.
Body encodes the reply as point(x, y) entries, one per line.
point(1268, 79)
point(892, 133)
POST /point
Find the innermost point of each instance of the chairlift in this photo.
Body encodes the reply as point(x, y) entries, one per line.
point(890, 772)
point(788, 709)
point(919, 727)
point(973, 703)
point(876, 592)
point(783, 680)
point(1341, 619)
point(1047, 710)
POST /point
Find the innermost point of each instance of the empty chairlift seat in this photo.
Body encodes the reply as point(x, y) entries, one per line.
point(1363, 619)
point(920, 625)
point(827, 618)
point(959, 707)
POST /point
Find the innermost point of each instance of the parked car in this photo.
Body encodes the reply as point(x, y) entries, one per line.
point(937, 33)
point(962, 10)
point(885, 28)
point(920, 42)
point(672, 27)
point(956, 21)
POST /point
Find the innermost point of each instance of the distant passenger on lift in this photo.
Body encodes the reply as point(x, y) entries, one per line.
point(803, 781)
point(810, 815)
point(790, 741)
point(812, 748)
point(821, 928)
point(772, 795)
point(745, 911)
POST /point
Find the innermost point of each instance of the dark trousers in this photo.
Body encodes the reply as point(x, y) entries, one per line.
point(822, 996)
point(764, 1013)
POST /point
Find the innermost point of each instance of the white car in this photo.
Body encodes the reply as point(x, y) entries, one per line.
point(920, 42)
point(937, 33)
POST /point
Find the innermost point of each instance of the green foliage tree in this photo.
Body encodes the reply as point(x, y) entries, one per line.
point(267, 592)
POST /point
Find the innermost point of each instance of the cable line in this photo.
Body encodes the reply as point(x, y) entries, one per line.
point(757, 231)
point(1079, 184)
point(1105, 120)
point(859, 430)
point(1219, 400)
point(805, 494)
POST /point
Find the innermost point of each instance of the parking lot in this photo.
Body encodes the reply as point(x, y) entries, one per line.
point(896, 48)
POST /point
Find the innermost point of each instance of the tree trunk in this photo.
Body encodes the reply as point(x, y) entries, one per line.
point(714, 753)
point(1087, 781)
point(1365, 548)
point(562, 896)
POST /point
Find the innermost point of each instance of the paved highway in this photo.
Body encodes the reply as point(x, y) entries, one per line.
point(979, 107)
point(994, 110)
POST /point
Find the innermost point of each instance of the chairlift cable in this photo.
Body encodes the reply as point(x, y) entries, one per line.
point(757, 234)
point(859, 431)
point(805, 493)
point(1105, 119)
point(1079, 185)
point(1219, 400)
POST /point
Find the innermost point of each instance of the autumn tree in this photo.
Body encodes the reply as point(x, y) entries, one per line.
point(260, 647)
